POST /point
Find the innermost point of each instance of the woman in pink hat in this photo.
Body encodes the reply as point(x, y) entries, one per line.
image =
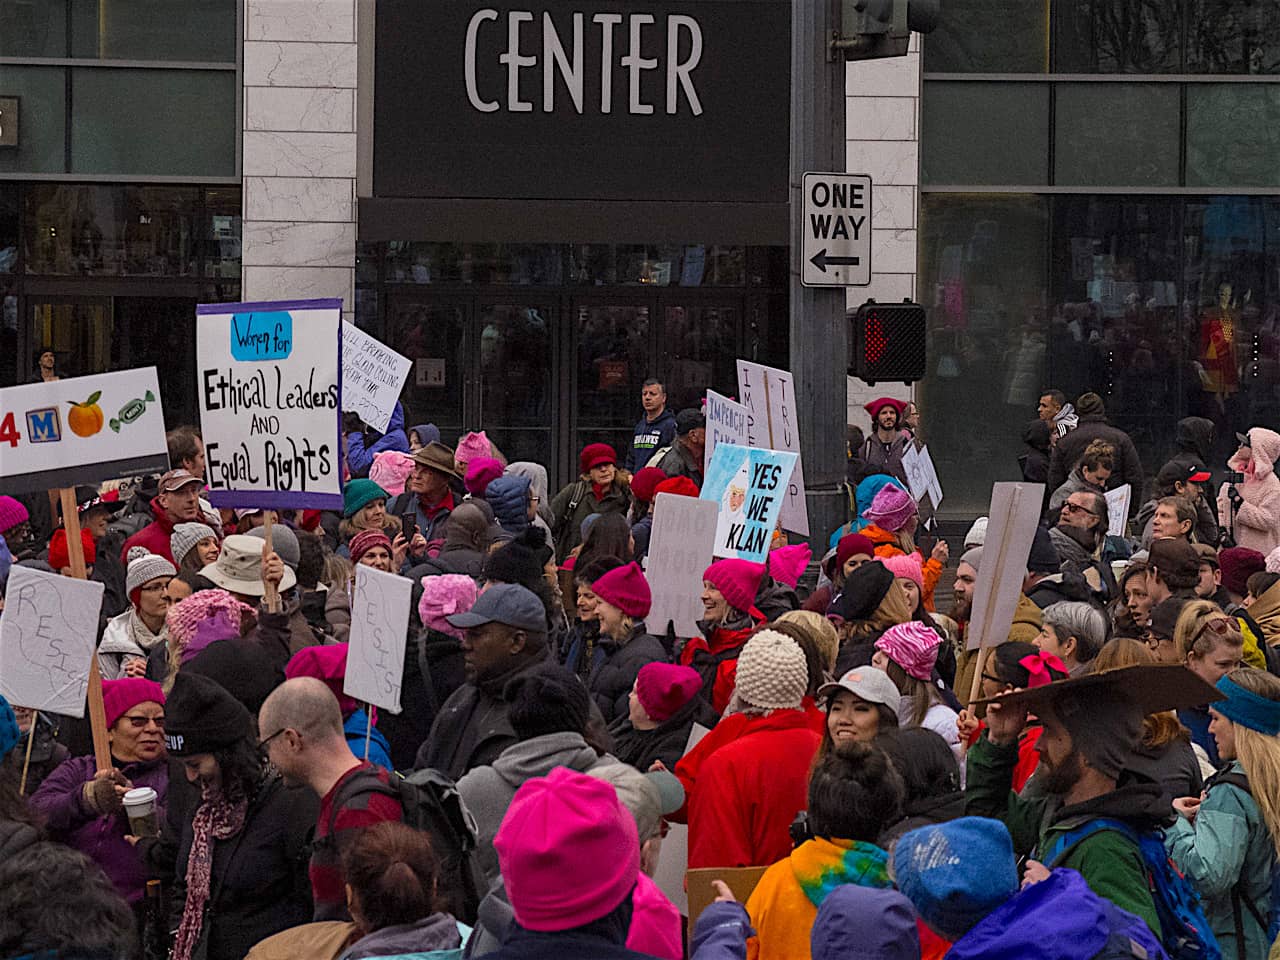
point(662, 708)
point(907, 653)
point(891, 526)
point(729, 589)
point(622, 602)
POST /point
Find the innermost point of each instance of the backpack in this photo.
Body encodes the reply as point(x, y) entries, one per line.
point(562, 528)
point(1122, 944)
point(1186, 931)
point(658, 454)
point(1270, 923)
point(432, 804)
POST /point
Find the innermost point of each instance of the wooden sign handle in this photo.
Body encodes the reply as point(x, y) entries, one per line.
point(270, 596)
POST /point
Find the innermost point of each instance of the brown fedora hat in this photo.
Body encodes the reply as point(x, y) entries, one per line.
point(439, 458)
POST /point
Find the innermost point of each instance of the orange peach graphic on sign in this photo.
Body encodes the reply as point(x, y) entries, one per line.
point(85, 419)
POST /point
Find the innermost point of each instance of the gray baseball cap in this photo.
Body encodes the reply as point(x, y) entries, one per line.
point(865, 683)
point(505, 603)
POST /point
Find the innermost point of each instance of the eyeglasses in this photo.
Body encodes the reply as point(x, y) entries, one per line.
point(262, 744)
point(987, 676)
point(155, 587)
point(533, 498)
point(139, 723)
point(1070, 507)
point(1223, 627)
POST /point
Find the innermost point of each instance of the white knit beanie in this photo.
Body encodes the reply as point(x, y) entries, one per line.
point(144, 567)
point(184, 538)
point(772, 672)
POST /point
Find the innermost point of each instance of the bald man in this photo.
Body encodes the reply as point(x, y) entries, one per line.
point(301, 726)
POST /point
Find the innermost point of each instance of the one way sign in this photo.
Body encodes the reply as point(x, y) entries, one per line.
point(837, 230)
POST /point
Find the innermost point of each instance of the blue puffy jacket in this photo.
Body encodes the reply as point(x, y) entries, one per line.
point(509, 498)
point(379, 750)
point(360, 457)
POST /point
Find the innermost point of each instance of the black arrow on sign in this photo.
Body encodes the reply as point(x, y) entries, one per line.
point(820, 260)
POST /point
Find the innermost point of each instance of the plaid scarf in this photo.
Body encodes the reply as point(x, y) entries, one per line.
point(821, 865)
point(216, 819)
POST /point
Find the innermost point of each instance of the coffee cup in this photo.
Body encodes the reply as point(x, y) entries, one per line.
point(140, 808)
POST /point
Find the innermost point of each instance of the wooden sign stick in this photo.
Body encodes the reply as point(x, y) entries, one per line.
point(271, 596)
point(26, 761)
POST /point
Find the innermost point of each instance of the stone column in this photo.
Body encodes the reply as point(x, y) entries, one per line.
point(299, 238)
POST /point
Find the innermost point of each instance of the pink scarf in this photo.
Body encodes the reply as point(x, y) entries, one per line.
point(216, 819)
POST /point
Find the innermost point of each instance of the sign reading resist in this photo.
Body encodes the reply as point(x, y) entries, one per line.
point(268, 378)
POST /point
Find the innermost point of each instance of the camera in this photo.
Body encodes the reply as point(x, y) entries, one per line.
point(1235, 476)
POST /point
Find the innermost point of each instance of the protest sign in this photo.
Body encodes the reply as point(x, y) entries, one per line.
point(769, 394)
point(269, 381)
point(680, 545)
point(750, 485)
point(372, 377)
point(726, 423)
point(82, 430)
point(1118, 509)
point(673, 855)
point(1015, 512)
point(379, 626)
point(922, 477)
point(48, 635)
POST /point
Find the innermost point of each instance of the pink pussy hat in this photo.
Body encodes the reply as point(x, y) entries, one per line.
point(906, 566)
point(912, 646)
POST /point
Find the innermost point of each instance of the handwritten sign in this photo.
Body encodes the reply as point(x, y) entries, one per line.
point(1118, 509)
point(922, 476)
point(1015, 512)
point(749, 484)
point(269, 382)
point(726, 423)
point(372, 377)
point(48, 634)
point(83, 430)
point(379, 627)
point(769, 394)
point(680, 549)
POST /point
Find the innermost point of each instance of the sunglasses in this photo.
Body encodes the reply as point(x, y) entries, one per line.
point(1070, 507)
point(1222, 627)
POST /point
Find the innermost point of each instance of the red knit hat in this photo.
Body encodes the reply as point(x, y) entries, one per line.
point(595, 454)
point(1238, 564)
point(850, 545)
point(738, 582)
point(121, 696)
point(680, 486)
point(366, 540)
point(644, 484)
point(60, 555)
point(663, 688)
point(625, 588)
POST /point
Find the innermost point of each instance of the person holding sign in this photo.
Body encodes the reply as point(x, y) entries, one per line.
point(361, 449)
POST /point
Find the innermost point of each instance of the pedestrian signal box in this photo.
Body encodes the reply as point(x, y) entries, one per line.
point(887, 342)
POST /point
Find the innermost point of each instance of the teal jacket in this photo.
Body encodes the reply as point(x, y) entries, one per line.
point(1110, 864)
point(1228, 848)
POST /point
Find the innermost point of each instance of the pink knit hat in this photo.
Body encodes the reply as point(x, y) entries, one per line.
point(891, 508)
point(906, 566)
point(912, 646)
point(443, 595)
point(738, 581)
point(625, 588)
point(391, 470)
point(121, 696)
point(481, 471)
point(472, 445)
point(786, 564)
point(664, 688)
point(327, 662)
point(568, 850)
point(205, 617)
point(12, 513)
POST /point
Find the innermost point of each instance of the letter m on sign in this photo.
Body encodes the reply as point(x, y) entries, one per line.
point(44, 426)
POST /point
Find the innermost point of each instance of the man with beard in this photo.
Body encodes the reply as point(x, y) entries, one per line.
point(1025, 627)
point(882, 452)
point(1079, 536)
point(1091, 727)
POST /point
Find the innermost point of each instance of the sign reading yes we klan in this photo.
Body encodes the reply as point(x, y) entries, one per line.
point(749, 484)
point(269, 380)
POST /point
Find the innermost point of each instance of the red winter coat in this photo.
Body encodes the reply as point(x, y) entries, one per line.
point(700, 653)
point(154, 536)
point(750, 790)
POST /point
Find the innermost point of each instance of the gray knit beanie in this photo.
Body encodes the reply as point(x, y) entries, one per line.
point(144, 567)
point(283, 541)
point(772, 672)
point(972, 557)
point(184, 538)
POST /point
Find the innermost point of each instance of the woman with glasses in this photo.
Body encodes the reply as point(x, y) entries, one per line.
point(1211, 645)
point(83, 806)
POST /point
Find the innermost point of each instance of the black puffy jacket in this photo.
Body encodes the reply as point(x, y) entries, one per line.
point(614, 668)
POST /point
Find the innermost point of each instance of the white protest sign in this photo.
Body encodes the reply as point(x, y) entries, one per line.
point(680, 549)
point(726, 423)
point(673, 855)
point(379, 628)
point(913, 467)
point(749, 484)
point(1118, 509)
point(48, 635)
point(1015, 513)
point(82, 430)
point(372, 377)
point(769, 394)
point(269, 380)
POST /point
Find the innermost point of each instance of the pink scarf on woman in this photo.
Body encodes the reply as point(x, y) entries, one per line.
point(216, 819)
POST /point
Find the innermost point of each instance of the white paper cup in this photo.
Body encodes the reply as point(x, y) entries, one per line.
point(140, 808)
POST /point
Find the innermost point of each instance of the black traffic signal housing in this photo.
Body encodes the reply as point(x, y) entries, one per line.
point(870, 29)
point(887, 342)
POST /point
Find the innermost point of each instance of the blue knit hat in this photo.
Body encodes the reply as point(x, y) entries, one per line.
point(6, 564)
point(9, 732)
point(956, 873)
point(360, 493)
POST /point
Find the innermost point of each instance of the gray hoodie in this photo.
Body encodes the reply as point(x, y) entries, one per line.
point(488, 791)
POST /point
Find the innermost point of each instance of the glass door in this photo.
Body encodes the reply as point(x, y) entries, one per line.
point(517, 397)
point(612, 347)
point(434, 336)
point(76, 329)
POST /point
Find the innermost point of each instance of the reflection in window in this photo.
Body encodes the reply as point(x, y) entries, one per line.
point(515, 365)
point(995, 133)
point(205, 30)
point(435, 333)
point(613, 350)
point(8, 332)
point(700, 346)
point(1233, 36)
point(42, 96)
point(1117, 36)
point(222, 232)
point(8, 228)
point(33, 28)
point(989, 36)
point(1123, 134)
point(1233, 135)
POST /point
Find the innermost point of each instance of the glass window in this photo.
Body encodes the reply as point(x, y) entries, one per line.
point(989, 36)
point(700, 350)
point(1117, 36)
point(164, 122)
point(1118, 134)
point(8, 228)
point(433, 336)
point(42, 96)
point(12, 368)
point(1233, 135)
point(1233, 36)
point(222, 232)
point(367, 261)
point(517, 383)
point(204, 31)
point(996, 133)
point(613, 358)
point(33, 28)
point(983, 275)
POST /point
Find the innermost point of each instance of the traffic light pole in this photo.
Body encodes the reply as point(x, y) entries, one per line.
point(819, 333)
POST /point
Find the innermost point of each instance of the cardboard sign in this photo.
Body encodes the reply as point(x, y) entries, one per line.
point(1118, 509)
point(680, 549)
point(750, 485)
point(673, 856)
point(269, 379)
point(48, 635)
point(372, 377)
point(922, 477)
point(84, 430)
point(379, 628)
point(726, 423)
point(1015, 512)
point(769, 394)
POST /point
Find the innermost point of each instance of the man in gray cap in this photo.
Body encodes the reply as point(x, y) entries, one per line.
point(1025, 627)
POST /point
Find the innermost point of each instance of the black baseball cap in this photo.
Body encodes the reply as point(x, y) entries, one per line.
point(1181, 471)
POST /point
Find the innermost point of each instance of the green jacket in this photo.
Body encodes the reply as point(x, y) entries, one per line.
point(1111, 865)
point(1227, 848)
point(616, 500)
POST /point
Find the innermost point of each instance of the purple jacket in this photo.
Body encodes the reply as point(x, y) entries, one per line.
point(60, 800)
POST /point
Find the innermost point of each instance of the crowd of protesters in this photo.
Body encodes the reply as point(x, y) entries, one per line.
point(1100, 780)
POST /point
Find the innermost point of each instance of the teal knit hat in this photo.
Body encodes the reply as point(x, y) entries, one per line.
point(360, 493)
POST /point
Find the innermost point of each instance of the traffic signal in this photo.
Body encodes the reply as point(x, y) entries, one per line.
point(883, 28)
point(887, 342)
